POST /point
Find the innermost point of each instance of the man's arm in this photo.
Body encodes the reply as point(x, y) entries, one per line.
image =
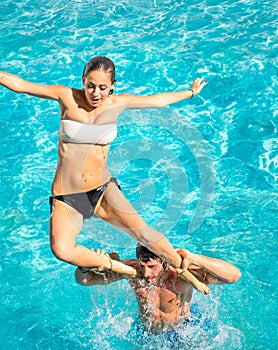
point(101, 276)
point(210, 270)
point(92, 278)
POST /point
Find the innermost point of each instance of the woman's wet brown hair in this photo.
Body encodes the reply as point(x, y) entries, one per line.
point(100, 63)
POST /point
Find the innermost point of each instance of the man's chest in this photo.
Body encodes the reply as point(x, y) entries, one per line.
point(159, 298)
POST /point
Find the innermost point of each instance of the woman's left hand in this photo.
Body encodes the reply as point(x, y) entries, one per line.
point(198, 85)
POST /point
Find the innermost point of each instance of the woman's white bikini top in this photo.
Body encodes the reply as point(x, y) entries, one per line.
point(76, 132)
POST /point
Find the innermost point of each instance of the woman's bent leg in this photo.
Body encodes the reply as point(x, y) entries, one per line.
point(116, 210)
point(65, 225)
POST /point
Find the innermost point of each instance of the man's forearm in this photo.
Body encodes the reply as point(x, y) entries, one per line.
point(220, 269)
point(92, 278)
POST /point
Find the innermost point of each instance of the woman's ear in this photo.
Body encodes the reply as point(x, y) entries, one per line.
point(112, 88)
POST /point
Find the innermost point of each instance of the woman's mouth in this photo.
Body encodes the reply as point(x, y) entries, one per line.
point(95, 100)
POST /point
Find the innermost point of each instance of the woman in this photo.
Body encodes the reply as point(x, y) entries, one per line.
point(82, 186)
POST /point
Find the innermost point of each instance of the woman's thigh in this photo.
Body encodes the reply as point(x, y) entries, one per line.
point(117, 210)
point(65, 224)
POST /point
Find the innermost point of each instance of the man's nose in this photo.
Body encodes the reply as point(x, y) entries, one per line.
point(147, 272)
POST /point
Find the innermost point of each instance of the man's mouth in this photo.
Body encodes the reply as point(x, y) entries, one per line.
point(150, 279)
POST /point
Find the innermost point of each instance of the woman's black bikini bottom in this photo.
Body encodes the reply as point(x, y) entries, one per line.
point(84, 202)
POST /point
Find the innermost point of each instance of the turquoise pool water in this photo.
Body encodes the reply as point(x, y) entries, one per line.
point(203, 171)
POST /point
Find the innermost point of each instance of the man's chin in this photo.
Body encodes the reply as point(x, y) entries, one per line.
point(151, 280)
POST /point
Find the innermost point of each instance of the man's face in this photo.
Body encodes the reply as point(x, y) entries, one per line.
point(151, 270)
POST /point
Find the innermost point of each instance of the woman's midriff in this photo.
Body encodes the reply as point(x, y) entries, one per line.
point(81, 167)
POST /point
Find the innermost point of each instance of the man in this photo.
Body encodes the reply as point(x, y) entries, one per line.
point(163, 296)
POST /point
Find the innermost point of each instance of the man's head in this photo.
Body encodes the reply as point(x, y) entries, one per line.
point(151, 264)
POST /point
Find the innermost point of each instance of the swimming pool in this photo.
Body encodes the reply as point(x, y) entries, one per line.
point(204, 171)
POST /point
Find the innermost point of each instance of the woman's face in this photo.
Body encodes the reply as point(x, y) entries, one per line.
point(97, 85)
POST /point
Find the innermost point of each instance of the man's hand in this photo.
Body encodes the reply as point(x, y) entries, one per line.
point(113, 255)
point(187, 258)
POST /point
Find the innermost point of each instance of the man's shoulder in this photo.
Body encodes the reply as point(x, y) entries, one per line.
point(175, 278)
point(131, 262)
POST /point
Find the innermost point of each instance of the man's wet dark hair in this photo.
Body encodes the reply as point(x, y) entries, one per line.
point(144, 253)
point(100, 63)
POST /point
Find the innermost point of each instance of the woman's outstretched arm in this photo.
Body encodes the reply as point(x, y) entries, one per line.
point(19, 85)
point(162, 99)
